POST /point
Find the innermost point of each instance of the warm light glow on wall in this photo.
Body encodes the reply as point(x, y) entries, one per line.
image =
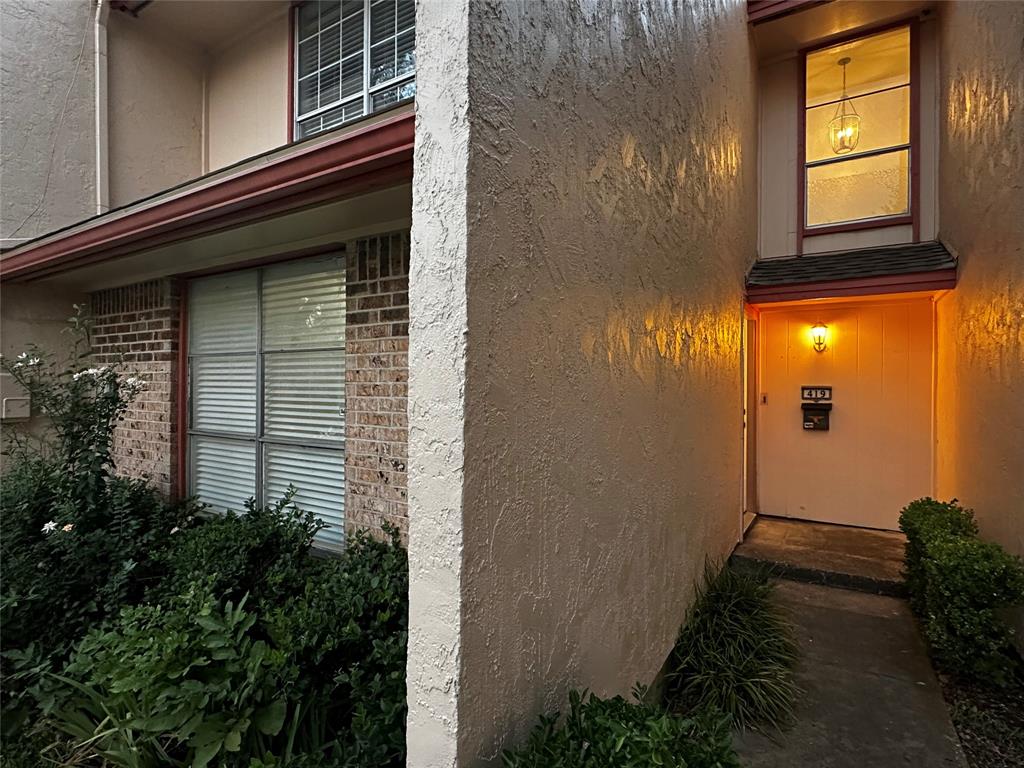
point(819, 337)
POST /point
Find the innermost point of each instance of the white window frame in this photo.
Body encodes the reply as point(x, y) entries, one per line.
point(368, 91)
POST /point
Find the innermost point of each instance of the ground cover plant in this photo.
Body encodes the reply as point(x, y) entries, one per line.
point(141, 633)
point(735, 653)
point(961, 589)
point(616, 733)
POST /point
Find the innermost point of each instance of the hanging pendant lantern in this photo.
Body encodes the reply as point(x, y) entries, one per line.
point(844, 127)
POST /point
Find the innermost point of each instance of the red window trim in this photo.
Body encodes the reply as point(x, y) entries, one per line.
point(913, 218)
point(358, 161)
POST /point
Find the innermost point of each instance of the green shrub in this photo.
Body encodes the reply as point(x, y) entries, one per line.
point(735, 653)
point(615, 733)
point(191, 678)
point(264, 553)
point(78, 542)
point(960, 588)
point(347, 632)
point(176, 685)
point(922, 520)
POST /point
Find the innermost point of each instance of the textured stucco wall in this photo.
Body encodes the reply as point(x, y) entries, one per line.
point(980, 370)
point(47, 116)
point(247, 95)
point(155, 109)
point(38, 315)
point(980, 367)
point(607, 201)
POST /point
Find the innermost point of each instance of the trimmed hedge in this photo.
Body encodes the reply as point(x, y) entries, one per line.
point(960, 587)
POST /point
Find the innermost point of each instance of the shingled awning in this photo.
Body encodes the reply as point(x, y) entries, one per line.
point(889, 269)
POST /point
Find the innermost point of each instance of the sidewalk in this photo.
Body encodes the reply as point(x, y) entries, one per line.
point(870, 698)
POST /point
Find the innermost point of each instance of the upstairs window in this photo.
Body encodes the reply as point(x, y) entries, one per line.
point(857, 129)
point(352, 57)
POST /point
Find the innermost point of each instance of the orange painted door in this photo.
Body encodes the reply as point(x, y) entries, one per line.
point(877, 454)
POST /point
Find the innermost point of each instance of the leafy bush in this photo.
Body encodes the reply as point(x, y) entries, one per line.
point(960, 588)
point(263, 553)
point(318, 679)
point(78, 543)
point(348, 633)
point(735, 653)
point(615, 733)
point(138, 633)
point(176, 686)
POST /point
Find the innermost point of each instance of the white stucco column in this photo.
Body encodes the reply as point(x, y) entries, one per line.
point(437, 372)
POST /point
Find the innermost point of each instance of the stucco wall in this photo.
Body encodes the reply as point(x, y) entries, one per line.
point(247, 94)
point(606, 200)
point(47, 116)
point(37, 315)
point(155, 112)
point(980, 393)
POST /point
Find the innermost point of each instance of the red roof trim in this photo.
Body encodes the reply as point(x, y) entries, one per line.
point(374, 156)
point(940, 279)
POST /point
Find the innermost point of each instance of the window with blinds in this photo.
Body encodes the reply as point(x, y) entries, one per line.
point(266, 352)
point(352, 57)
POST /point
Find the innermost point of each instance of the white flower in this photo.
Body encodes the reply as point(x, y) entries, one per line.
point(23, 355)
point(33, 361)
point(68, 528)
point(175, 529)
point(49, 527)
point(91, 372)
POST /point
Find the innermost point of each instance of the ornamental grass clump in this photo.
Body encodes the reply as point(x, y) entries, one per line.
point(735, 654)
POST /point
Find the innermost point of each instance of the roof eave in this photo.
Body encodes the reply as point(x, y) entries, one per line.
point(356, 162)
point(910, 282)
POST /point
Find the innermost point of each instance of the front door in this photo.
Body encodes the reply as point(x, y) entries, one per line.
point(876, 453)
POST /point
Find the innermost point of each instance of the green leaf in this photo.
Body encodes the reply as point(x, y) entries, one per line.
point(270, 718)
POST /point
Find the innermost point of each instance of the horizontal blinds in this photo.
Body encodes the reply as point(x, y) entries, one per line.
point(224, 394)
point(319, 479)
point(223, 472)
point(222, 314)
point(267, 385)
point(304, 395)
point(337, 78)
point(304, 305)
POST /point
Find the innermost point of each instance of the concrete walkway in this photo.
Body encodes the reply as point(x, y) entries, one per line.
point(870, 697)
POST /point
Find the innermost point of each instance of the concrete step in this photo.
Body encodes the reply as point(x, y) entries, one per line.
point(831, 555)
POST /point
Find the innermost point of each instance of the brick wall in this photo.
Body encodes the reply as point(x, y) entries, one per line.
point(136, 327)
point(376, 388)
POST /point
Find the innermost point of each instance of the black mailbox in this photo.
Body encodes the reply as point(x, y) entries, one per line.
point(816, 416)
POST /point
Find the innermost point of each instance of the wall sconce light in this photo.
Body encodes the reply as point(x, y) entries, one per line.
point(819, 337)
point(844, 127)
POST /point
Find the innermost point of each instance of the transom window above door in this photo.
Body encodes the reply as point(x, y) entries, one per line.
point(266, 389)
point(352, 58)
point(857, 131)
